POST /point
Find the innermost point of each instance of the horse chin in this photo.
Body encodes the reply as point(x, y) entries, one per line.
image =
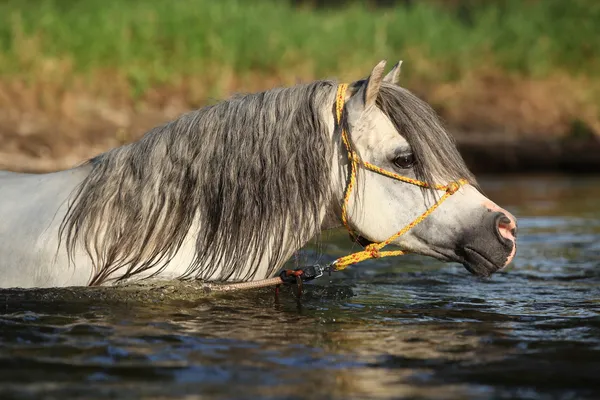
point(477, 264)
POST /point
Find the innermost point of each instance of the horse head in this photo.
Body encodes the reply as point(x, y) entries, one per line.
point(405, 166)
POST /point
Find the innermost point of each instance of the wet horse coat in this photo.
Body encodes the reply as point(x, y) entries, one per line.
point(229, 192)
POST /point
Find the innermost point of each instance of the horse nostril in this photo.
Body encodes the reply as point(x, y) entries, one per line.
point(503, 220)
point(505, 227)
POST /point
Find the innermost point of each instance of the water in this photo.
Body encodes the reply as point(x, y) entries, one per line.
point(396, 328)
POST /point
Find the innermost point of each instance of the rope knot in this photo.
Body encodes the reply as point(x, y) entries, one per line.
point(453, 187)
point(373, 250)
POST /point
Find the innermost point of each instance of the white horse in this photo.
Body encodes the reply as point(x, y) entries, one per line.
point(229, 192)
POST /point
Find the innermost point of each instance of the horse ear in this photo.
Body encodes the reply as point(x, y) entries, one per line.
point(393, 76)
point(374, 84)
point(368, 90)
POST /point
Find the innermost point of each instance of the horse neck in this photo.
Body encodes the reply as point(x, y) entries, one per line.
point(329, 214)
point(199, 256)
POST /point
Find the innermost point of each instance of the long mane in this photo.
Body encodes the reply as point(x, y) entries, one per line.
point(246, 169)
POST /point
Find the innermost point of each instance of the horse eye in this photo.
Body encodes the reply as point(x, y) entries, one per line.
point(404, 161)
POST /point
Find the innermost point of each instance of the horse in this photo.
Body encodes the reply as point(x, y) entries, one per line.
point(229, 192)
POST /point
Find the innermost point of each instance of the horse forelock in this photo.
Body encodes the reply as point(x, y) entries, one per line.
point(438, 159)
point(247, 170)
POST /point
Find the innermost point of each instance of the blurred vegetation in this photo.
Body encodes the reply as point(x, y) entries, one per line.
point(495, 65)
point(154, 41)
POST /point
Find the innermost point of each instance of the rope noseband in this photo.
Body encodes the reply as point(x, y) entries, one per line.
point(373, 250)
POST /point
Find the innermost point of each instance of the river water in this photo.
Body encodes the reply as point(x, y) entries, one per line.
point(406, 327)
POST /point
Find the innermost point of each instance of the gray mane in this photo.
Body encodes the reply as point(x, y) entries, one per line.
point(248, 169)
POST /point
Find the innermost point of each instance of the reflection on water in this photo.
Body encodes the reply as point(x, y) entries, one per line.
point(396, 328)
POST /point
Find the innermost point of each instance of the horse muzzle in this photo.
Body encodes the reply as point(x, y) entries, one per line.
point(491, 246)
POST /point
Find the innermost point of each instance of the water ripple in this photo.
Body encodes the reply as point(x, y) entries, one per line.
point(401, 328)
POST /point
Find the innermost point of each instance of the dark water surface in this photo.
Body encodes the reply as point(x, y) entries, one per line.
point(397, 328)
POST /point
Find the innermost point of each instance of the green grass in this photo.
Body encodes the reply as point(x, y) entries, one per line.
point(158, 41)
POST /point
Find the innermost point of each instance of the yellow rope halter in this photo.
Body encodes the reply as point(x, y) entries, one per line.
point(373, 250)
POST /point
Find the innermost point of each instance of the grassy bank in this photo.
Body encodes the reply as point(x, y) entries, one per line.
point(519, 67)
point(159, 41)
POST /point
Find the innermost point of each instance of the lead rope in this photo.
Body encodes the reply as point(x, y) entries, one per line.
point(372, 250)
